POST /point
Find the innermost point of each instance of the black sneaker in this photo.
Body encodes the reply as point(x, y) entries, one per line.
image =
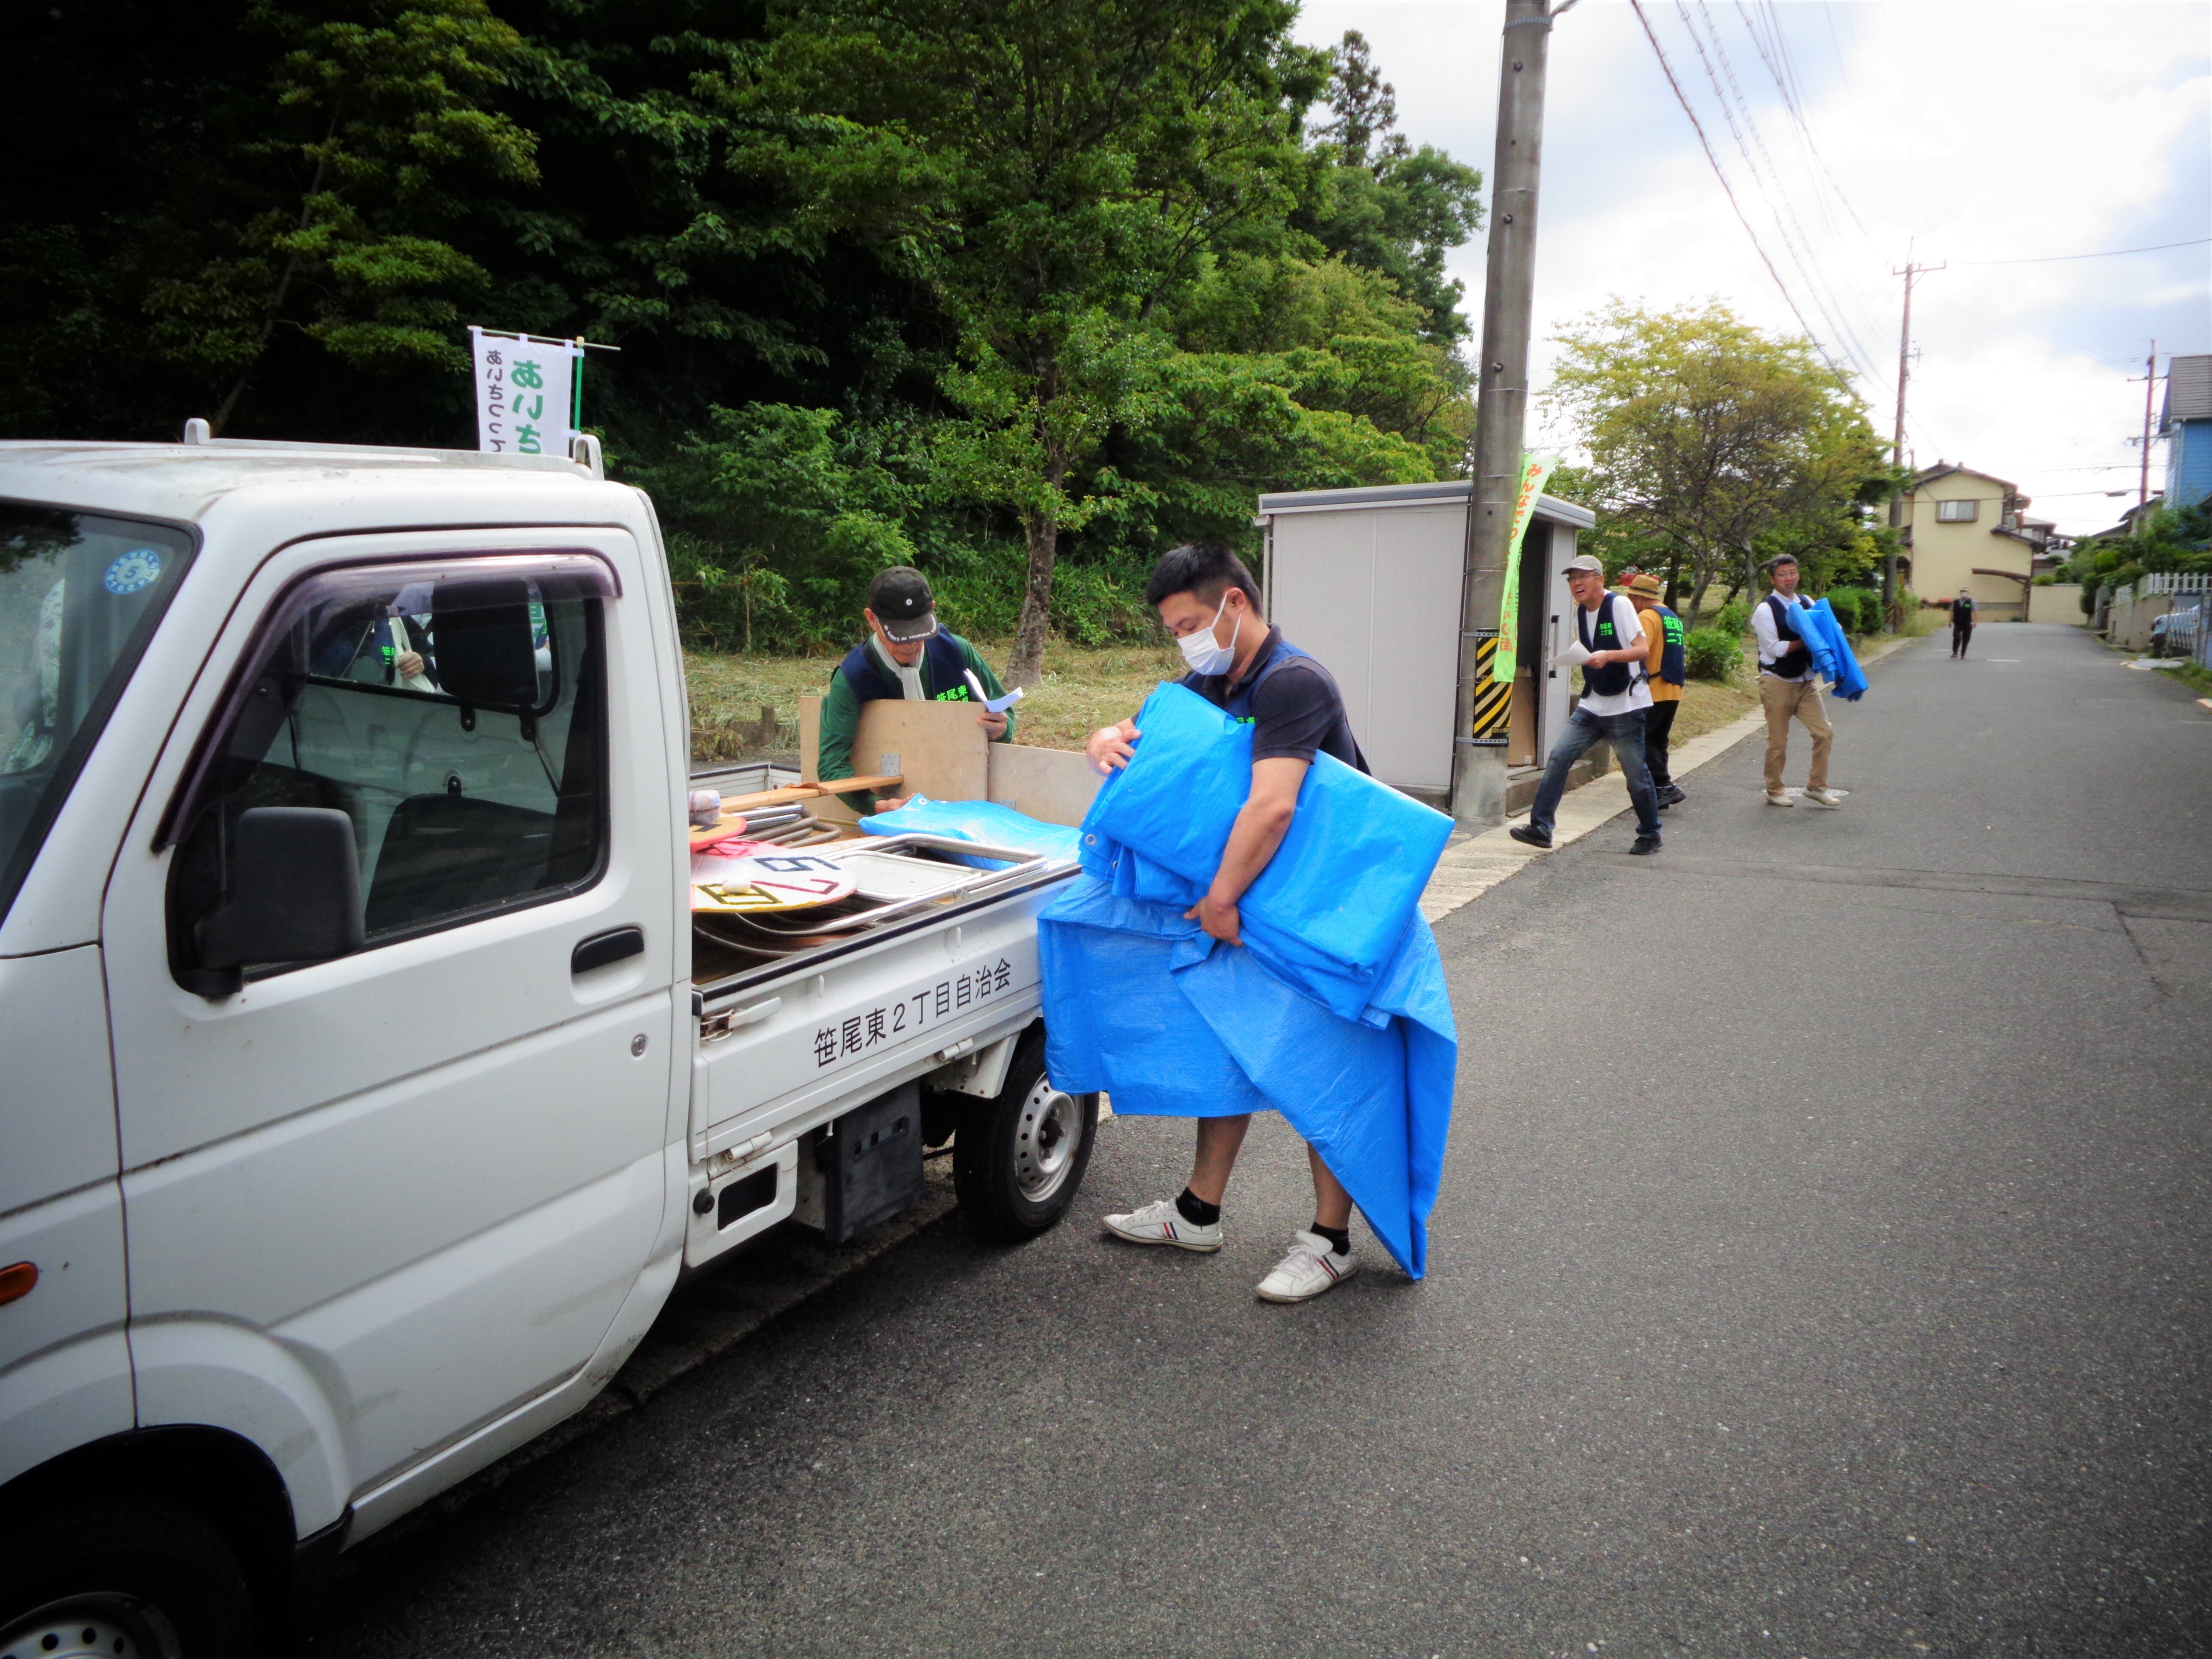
point(1645, 844)
point(1670, 794)
point(1528, 837)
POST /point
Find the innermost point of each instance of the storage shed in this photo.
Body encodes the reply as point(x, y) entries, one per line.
point(1368, 580)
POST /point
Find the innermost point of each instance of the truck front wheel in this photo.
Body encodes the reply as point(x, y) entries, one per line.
point(142, 1580)
point(1018, 1157)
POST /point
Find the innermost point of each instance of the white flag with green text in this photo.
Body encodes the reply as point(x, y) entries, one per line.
point(525, 393)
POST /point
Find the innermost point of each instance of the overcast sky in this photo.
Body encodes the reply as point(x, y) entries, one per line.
point(1965, 131)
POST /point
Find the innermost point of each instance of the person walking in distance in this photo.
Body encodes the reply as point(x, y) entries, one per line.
point(1788, 688)
point(1615, 698)
point(1665, 669)
point(1962, 623)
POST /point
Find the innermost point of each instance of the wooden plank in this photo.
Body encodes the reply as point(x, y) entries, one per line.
point(937, 748)
point(1054, 785)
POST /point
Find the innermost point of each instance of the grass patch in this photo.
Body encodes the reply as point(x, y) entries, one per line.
point(2197, 679)
point(1085, 688)
point(1709, 705)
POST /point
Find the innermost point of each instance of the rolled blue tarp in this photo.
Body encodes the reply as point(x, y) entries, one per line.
point(1335, 1013)
point(1832, 650)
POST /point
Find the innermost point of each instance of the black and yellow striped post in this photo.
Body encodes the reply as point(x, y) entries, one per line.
point(1493, 699)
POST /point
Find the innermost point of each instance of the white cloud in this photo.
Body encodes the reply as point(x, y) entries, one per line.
point(1966, 131)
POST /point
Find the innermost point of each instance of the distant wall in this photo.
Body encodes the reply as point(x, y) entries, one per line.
point(2061, 602)
point(2131, 618)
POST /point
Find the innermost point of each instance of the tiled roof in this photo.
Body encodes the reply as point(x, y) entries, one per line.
point(2188, 390)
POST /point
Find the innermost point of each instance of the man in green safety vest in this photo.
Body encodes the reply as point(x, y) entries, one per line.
point(906, 655)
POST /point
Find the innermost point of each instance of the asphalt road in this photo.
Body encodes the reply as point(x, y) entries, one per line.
point(1824, 1267)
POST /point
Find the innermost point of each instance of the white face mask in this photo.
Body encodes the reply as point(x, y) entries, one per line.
point(1206, 655)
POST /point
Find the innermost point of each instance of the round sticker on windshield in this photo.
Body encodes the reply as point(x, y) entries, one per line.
point(140, 568)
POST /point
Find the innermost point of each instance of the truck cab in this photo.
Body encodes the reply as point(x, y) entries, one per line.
point(368, 1088)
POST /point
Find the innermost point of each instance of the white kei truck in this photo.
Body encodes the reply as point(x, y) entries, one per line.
point(364, 1090)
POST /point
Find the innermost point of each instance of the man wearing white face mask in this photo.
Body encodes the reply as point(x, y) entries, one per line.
point(1210, 603)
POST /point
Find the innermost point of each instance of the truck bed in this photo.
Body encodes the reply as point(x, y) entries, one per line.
point(731, 954)
point(887, 990)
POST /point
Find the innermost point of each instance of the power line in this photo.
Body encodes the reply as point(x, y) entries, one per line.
point(1696, 125)
point(1800, 249)
point(2109, 254)
point(1835, 43)
point(1785, 79)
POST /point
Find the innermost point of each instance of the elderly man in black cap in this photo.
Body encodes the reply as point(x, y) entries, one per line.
point(906, 654)
point(1611, 650)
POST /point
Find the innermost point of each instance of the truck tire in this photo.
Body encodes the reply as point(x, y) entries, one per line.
point(125, 1580)
point(1018, 1157)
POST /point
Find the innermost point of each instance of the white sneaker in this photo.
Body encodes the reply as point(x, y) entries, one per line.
point(1825, 797)
point(1313, 1265)
point(1780, 798)
point(1163, 1224)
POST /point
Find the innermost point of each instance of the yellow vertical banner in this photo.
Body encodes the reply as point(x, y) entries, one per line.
point(1535, 471)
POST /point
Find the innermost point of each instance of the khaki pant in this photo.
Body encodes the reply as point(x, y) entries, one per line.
point(1782, 698)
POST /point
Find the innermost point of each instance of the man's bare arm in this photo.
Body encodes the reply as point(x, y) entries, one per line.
point(1258, 831)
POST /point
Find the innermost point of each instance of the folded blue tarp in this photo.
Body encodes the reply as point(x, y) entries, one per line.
point(1335, 1013)
point(987, 821)
point(1832, 651)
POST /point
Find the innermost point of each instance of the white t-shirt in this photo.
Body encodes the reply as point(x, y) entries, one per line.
point(1630, 627)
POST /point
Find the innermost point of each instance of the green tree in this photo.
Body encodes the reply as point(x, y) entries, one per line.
point(1055, 174)
point(266, 180)
point(377, 109)
point(1380, 204)
point(1713, 440)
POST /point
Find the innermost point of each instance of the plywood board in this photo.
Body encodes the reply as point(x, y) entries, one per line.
point(1054, 785)
point(937, 747)
point(810, 740)
point(1521, 721)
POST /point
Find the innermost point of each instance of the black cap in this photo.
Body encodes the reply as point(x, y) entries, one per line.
point(900, 599)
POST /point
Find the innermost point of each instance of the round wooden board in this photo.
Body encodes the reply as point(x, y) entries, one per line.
point(770, 878)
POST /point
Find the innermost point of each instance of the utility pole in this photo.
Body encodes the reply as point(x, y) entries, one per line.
point(2150, 386)
point(1502, 397)
point(1897, 437)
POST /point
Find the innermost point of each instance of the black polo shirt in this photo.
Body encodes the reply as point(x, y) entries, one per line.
point(1293, 704)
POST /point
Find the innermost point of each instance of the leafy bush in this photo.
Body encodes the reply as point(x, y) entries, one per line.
point(1735, 618)
point(1713, 653)
point(1858, 608)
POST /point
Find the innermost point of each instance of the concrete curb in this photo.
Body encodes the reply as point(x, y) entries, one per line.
point(1470, 868)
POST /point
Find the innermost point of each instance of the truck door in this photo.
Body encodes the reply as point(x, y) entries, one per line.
point(379, 1201)
point(79, 596)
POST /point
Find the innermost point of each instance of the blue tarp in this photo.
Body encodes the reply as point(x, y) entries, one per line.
point(985, 821)
point(1335, 1013)
point(1832, 651)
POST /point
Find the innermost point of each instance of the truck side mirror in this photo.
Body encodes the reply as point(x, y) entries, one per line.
point(487, 652)
point(296, 883)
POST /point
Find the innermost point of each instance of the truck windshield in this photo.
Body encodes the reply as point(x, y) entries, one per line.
point(79, 596)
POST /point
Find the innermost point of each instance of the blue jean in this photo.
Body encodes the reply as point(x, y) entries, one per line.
point(1585, 731)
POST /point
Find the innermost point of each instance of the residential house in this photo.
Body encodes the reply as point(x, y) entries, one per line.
point(2135, 521)
point(1970, 530)
point(2185, 423)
